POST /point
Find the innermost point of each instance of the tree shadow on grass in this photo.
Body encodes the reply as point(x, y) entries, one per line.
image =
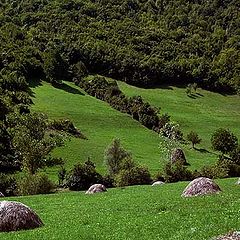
point(195, 95)
point(202, 150)
point(65, 87)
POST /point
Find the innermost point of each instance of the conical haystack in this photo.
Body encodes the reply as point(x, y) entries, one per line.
point(177, 155)
point(200, 186)
point(1, 194)
point(96, 188)
point(157, 183)
point(229, 236)
point(16, 216)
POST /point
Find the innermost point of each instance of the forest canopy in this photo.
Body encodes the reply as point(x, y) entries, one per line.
point(141, 42)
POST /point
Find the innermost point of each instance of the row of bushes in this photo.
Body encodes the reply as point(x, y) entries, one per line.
point(82, 176)
point(135, 106)
point(27, 184)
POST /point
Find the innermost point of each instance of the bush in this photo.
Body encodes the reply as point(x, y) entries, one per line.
point(114, 155)
point(177, 172)
point(7, 184)
point(215, 171)
point(134, 176)
point(224, 141)
point(193, 138)
point(171, 131)
point(235, 155)
point(108, 181)
point(66, 126)
point(82, 176)
point(159, 177)
point(34, 184)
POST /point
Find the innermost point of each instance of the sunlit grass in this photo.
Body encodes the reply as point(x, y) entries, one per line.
point(140, 212)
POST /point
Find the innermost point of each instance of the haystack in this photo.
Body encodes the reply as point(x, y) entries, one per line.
point(1, 194)
point(229, 236)
point(157, 183)
point(178, 155)
point(96, 188)
point(201, 186)
point(16, 216)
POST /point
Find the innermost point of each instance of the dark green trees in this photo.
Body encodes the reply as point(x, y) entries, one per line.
point(114, 155)
point(224, 141)
point(193, 138)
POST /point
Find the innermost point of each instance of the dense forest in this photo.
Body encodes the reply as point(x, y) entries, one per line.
point(144, 43)
point(137, 41)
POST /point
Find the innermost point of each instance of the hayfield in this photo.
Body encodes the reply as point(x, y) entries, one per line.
point(203, 113)
point(139, 212)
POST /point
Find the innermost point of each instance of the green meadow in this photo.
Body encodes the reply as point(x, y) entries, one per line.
point(204, 112)
point(139, 212)
point(100, 123)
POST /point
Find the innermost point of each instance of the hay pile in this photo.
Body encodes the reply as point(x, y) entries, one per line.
point(96, 188)
point(178, 155)
point(16, 216)
point(200, 186)
point(229, 236)
point(157, 183)
point(1, 194)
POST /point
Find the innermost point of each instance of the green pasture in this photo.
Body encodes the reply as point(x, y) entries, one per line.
point(203, 112)
point(139, 212)
point(100, 123)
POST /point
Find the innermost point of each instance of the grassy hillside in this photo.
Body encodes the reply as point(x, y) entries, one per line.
point(140, 212)
point(99, 122)
point(204, 112)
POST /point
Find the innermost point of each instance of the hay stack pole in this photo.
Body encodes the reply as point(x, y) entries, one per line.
point(16, 216)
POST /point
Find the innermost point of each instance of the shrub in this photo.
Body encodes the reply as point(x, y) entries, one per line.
point(219, 170)
point(159, 177)
point(34, 184)
point(114, 155)
point(177, 172)
point(233, 169)
point(235, 155)
point(82, 176)
point(224, 141)
point(133, 176)
point(108, 181)
point(67, 126)
point(7, 184)
point(193, 138)
point(171, 131)
point(61, 175)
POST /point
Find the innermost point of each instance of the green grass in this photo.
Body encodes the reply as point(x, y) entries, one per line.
point(100, 123)
point(203, 113)
point(139, 212)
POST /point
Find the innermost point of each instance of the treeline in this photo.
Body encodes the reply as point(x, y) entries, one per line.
point(141, 42)
point(109, 91)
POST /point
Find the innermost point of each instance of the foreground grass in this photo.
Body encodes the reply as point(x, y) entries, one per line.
point(100, 123)
point(203, 112)
point(139, 212)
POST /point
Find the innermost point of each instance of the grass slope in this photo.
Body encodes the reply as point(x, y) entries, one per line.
point(99, 122)
point(140, 212)
point(204, 112)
